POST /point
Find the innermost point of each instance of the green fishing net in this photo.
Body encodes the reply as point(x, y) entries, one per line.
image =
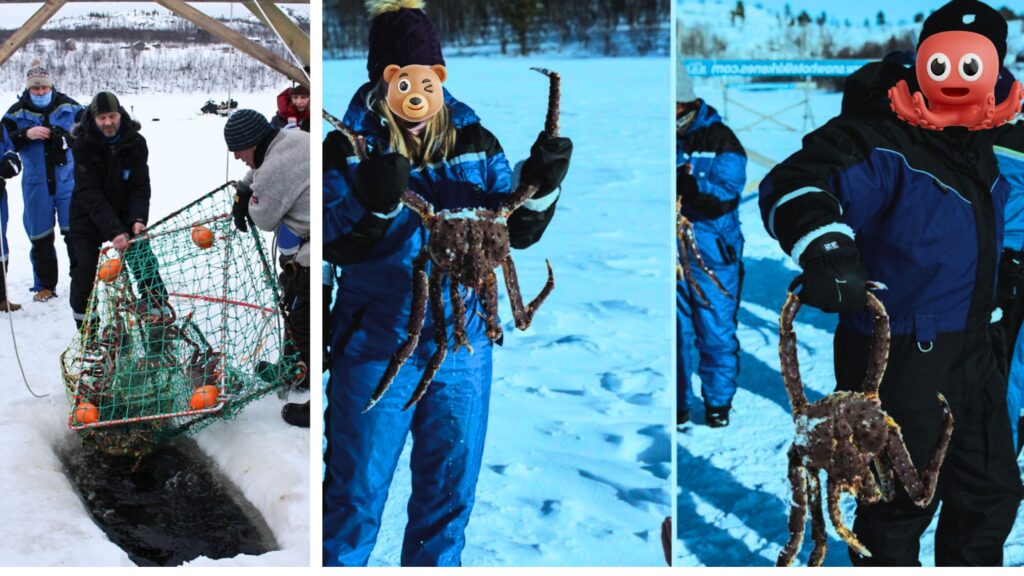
point(181, 330)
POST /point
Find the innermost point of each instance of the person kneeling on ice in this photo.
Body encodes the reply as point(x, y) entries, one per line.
point(918, 208)
point(111, 203)
point(10, 166)
point(38, 125)
point(452, 161)
point(711, 170)
point(275, 192)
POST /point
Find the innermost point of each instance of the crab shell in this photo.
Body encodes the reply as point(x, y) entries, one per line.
point(842, 433)
point(469, 244)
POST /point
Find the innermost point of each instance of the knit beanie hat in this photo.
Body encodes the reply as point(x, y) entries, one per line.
point(967, 16)
point(400, 34)
point(37, 76)
point(684, 86)
point(245, 129)
point(102, 103)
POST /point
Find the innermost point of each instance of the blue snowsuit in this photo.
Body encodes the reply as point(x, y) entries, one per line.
point(5, 148)
point(925, 209)
point(47, 178)
point(719, 164)
point(368, 324)
point(1011, 165)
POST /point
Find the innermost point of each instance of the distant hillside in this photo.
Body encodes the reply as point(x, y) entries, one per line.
point(140, 51)
point(746, 30)
point(476, 28)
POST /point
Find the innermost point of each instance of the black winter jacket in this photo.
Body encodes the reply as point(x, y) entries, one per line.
point(111, 180)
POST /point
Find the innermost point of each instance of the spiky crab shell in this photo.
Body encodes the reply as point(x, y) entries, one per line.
point(469, 244)
point(842, 434)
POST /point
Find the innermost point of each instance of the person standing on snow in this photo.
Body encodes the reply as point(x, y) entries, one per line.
point(453, 162)
point(111, 202)
point(275, 192)
point(870, 196)
point(292, 109)
point(38, 125)
point(711, 170)
point(10, 166)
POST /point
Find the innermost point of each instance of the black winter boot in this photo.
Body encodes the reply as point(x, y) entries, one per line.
point(716, 416)
point(296, 414)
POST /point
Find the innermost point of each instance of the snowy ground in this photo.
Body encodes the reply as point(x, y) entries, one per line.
point(46, 523)
point(577, 462)
point(733, 495)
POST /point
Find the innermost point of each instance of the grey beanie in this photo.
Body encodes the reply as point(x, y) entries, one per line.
point(245, 129)
point(684, 86)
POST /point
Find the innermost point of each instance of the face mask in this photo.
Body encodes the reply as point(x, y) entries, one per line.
point(41, 101)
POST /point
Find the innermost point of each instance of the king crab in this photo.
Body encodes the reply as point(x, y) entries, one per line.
point(466, 245)
point(843, 434)
point(688, 244)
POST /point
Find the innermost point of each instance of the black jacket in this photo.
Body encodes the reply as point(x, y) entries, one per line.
point(111, 180)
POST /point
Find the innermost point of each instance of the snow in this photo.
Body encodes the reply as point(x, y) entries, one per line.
point(733, 495)
point(264, 457)
point(577, 463)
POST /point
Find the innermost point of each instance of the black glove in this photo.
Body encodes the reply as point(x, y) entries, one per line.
point(240, 207)
point(381, 181)
point(1011, 277)
point(10, 166)
point(835, 280)
point(58, 145)
point(548, 163)
point(686, 186)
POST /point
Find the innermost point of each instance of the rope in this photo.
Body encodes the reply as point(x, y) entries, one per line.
point(10, 318)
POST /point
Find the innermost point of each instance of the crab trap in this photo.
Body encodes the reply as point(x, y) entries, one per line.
point(182, 329)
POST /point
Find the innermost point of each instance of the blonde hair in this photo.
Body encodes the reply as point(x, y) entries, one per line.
point(435, 142)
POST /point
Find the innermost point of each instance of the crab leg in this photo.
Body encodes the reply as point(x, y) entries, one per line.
point(491, 307)
point(837, 521)
point(866, 489)
point(788, 361)
point(817, 520)
point(690, 241)
point(797, 509)
point(879, 348)
point(523, 316)
point(412, 328)
point(440, 336)
point(883, 467)
point(458, 317)
point(919, 486)
point(526, 190)
point(419, 205)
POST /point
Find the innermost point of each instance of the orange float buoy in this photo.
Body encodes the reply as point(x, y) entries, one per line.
point(109, 270)
point(86, 413)
point(202, 237)
point(204, 397)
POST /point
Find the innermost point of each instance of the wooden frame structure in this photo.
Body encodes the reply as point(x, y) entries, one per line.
point(267, 11)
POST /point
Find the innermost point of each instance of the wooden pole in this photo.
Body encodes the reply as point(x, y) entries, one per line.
point(34, 23)
point(228, 35)
point(289, 32)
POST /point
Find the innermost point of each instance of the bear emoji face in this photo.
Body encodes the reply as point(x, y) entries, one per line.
point(414, 91)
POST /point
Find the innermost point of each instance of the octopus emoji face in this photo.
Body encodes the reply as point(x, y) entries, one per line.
point(957, 68)
point(414, 91)
point(957, 71)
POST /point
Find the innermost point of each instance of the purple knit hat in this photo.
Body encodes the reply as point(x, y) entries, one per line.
point(401, 33)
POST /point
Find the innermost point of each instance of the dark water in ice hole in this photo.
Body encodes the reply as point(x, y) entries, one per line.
point(174, 507)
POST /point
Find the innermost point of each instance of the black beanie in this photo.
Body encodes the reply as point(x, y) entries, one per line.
point(102, 103)
point(967, 16)
point(402, 34)
point(245, 129)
